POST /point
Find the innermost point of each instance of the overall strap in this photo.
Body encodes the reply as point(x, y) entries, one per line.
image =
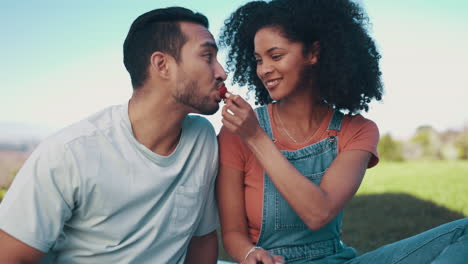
point(335, 123)
point(264, 120)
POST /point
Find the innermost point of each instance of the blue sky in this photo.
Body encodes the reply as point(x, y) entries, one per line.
point(62, 60)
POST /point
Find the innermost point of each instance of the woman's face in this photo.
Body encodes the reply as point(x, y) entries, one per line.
point(280, 62)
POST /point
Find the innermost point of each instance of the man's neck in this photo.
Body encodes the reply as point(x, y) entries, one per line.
point(156, 121)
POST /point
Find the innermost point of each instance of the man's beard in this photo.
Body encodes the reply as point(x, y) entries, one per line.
point(189, 94)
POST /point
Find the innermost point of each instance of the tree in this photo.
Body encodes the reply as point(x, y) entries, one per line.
point(390, 149)
point(429, 141)
point(461, 143)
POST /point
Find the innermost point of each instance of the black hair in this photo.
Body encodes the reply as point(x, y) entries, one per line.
point(348, 68)
point(156, 30)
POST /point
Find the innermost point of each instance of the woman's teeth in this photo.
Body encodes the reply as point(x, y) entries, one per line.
point(272, 83)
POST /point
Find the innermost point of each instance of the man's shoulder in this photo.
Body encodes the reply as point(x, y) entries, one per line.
point(198, 124)
point(199, 134)
point(82, 130)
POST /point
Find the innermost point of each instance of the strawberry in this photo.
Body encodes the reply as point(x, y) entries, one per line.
point(222, 91)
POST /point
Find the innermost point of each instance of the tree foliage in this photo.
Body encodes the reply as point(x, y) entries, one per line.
point(461, 143)
point(429, 141)
point(390, 149)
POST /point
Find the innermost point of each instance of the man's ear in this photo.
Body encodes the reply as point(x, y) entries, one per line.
point(160, 64)
point(314, 53)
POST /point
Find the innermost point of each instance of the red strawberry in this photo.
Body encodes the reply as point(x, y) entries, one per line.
point(222, 91)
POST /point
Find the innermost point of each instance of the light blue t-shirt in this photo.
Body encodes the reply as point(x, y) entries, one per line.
point(93, 194)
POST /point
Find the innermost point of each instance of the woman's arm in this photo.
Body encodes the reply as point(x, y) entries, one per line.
point(230, 196)
point(14, 251)
point(315, 205)
point(236, 241)
point(203, 249)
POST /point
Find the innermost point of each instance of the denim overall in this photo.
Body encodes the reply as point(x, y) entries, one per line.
point(282, 231)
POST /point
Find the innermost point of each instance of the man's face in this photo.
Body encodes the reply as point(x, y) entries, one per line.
point(199, 73)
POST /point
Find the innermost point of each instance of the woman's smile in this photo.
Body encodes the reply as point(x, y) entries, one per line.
point(270, 84)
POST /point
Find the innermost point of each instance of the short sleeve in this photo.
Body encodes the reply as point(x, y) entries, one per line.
point(209, 219)
point(40, 199)
point(361, 134)
point(232, 150)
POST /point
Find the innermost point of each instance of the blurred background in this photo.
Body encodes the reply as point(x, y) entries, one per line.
point(61, 61)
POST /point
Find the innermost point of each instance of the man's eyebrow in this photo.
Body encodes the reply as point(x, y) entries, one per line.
point(209, 45)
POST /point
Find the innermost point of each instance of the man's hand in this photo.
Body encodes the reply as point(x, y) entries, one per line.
point(203, 249)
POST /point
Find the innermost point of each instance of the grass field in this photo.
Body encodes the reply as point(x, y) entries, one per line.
point(398, 200)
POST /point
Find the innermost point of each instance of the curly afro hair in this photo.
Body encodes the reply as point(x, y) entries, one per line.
point(348, 71)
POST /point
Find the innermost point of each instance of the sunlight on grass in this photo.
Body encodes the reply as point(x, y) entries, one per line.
point(442, 182)
point(399, 200)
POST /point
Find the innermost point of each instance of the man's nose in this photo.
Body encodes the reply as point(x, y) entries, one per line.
point(219, 72)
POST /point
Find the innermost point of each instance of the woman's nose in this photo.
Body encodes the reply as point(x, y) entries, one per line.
point(265, 69)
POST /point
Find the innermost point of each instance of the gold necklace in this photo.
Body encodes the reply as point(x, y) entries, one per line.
point(286, 131)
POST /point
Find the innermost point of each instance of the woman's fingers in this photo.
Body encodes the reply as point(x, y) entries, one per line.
point(230, 126)
point(230, 115)
point(278, 259)
point(239, 117)
point(259, 256)
point(234, 114)
point(237, 100)
point(234, 109)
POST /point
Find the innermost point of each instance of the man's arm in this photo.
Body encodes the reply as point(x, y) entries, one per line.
point(203, 249)
point(14, 251)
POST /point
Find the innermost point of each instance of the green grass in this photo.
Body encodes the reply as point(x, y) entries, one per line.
point(442, 182)
point(398, 200)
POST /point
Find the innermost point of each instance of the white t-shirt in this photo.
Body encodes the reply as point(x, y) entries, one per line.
point(93, 194)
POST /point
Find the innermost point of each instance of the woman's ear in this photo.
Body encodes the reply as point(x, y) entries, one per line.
point(314, 53)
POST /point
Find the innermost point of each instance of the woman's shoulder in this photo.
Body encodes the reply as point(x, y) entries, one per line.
point(357, 128)
point(228, 139)
point(358, 122)
point(233, 152)
point(360, 133)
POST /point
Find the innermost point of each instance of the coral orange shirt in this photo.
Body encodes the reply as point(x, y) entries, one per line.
point(357, 133)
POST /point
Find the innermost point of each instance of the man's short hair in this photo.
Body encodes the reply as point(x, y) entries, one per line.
point(156, 30)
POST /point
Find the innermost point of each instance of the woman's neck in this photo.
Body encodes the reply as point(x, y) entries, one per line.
point(302, 108)
point(299, 117)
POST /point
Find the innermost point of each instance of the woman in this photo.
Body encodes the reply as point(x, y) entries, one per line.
point(288, 168)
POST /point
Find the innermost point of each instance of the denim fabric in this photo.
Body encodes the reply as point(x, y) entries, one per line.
point(446, 244)
point(282, 231)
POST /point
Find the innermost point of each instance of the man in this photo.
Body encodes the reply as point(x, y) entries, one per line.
point(132, 183)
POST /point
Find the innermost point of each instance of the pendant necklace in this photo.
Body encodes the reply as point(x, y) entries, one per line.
point(287, 133)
